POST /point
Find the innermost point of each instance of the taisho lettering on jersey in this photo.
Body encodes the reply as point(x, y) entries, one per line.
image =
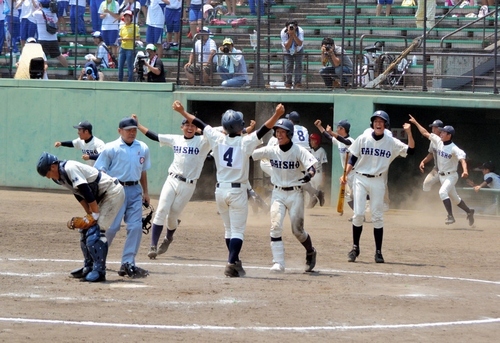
point(444, 154)
point(376, 152)
point(185, 150)
point(285, 164)
point(90, 152)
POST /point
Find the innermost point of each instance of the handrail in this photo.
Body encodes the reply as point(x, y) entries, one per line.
point(467, 25)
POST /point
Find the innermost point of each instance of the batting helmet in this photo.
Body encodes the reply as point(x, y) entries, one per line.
point(44, 163)
point(232, 122)
point(383, 115)
point(286, 125)
point(315, 137)
point(294, 116)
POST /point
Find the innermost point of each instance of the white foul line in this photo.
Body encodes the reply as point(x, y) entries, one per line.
point(253, 328)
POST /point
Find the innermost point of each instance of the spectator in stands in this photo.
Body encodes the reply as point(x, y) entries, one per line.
point(131, 5)
point(195, 16)
point(13, 25)
point(28, 25)
point(108, 11)
point(388, 5)
point(154, 64)
point(173, 16)
point(231, 65)
point(31, 46)
point(155, 21)
point(431, 14)
point(101, 58)
point(206, 47)
point(292, 39)
point(335, 63)
point(90, 73)
point(2, 25)
point(95, 19)
point(48, 41)
point(256, 3)
point(129, 33)
point(62, 13)
point(231, 7)
point(76, 12)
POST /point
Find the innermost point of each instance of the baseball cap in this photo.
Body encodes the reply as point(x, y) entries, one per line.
point(83, 125)
point(128, 12)
point(227, 41)
point(128, 123)
point(207, 30)
point(97, 34)
point(31, 40)
point(488, 165)
point(436, 123)
point(151, 47)
point(448, 128)
point(345, 124)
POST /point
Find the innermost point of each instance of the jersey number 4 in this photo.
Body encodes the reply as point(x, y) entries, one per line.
point(230, 157)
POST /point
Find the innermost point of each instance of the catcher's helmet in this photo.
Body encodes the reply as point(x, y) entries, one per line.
point(294, 116)
point(232, 122)
point(44, 163)
point(286, 125)
point(383, 115)
point(315, 137)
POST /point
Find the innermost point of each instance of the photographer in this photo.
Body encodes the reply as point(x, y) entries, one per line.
point(231, 65)
point(292, 38)
point(335, 62)
point(154, 65)
point(90, 73)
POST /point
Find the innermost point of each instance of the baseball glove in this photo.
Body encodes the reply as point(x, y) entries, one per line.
point(82, 223)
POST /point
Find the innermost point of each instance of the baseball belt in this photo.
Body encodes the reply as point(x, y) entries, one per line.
point(296, 188)
point(180, 178)
point(129, 183)
point(369, 175)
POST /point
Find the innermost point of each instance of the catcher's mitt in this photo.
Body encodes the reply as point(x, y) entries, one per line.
point(82, 223)
point(147, 215)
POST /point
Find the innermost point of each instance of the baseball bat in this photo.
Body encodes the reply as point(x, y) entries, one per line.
point(340, 202)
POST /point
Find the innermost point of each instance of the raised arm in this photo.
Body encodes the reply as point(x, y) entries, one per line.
point(420, 128)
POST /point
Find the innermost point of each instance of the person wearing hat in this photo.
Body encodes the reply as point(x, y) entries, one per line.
point(47, 40)
point(100, 58)
point(129, 33)
point(110, 23)
point(433, 176)
point(448, 155)
point(231, 65)
point(154, 65)
point(127, 159)
point(335, 63)
point(206, 47)
point(491, 179)
point(90, 145)
point(31, 50)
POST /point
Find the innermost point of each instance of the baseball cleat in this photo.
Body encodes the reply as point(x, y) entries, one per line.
point(80, 272)
point(123, 270)
point(138, 273)
point(164, 246)
point(152, 252)
point(450, 220)
point(239, 268)
point(231, 271)
point(353, 254)
point(277, 268)
point(470, 217)
point(95, 276)
point(378, 257)
point(310, 260)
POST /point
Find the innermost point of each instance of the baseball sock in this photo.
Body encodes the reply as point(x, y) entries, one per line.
point(356, 234)
point(378, 234)
point(308, 244)
point(234, 249)
point(447, 206)
point(155, 236)
point(170, 234)
point(463, 206)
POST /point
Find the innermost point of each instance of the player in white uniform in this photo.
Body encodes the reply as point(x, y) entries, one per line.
point(448, 155)
point(190, 152)
point(372, 153)
point(288, 160)
point(319, 153)
point(433, 176)
point(100, 195)
point(231, 153)
point(491, 179)
point(90, 145)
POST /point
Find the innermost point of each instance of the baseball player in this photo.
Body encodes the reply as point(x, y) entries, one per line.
point(90, 145)
point(288, 160)
point(190, 152)
point(433, 176)
point(318, 182)
point(231, 153)
point(127, 159)
point(100, 196)
point(448, 155)
point(491, 180)
point(371, 154)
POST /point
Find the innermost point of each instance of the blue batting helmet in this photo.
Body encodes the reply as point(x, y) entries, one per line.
point(286, 125)
point(383, 115)
point(44, 163)
point(232, 122)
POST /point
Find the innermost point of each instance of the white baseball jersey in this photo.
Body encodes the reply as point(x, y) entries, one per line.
point(301, 136)
point(94, 147)
point(495, 183)
point(343, 149)
point(448, 155)
point(374, 157)
point(320, 155)
point(287, 166)
point(433, 151)
point(189, 154)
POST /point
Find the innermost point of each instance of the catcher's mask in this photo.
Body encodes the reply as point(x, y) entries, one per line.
point(147, 215)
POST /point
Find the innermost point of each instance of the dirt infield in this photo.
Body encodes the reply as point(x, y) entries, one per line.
point(439, 283)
